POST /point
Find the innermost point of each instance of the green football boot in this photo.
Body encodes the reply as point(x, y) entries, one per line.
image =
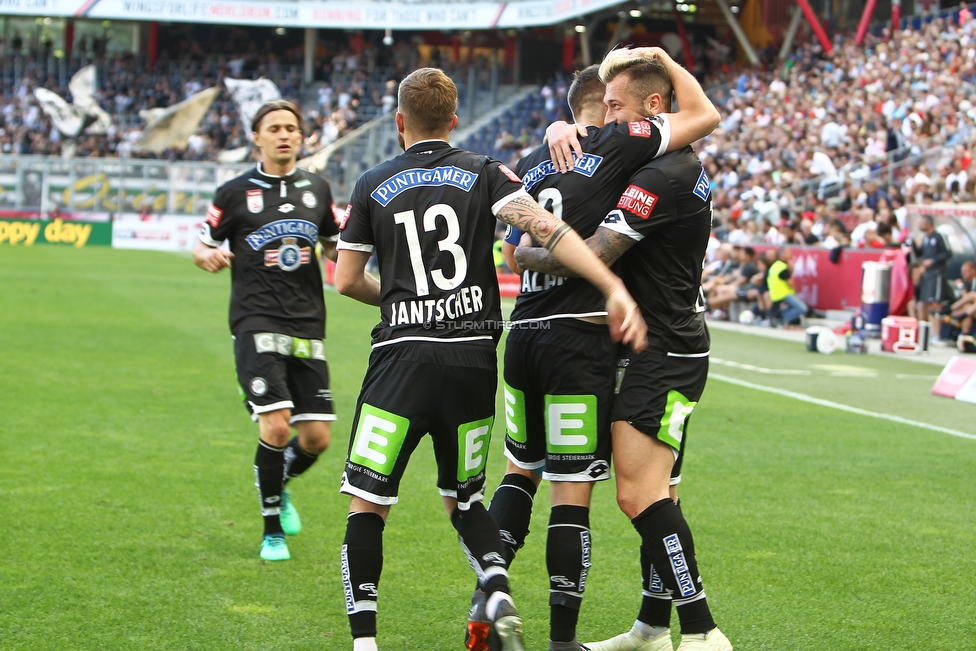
point(291, 524)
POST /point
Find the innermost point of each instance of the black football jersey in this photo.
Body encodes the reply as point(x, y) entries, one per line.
point(272, 224)
point(667, 208)
point(582, 198)
point(429, 214)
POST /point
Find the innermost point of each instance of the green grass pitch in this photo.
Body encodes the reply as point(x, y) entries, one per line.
point(129, 519)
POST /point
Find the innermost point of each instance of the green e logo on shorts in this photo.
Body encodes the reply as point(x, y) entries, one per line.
point(514, 413)
point(571, 424)
point(473, 440)
point(379, 437)
point(677, 412)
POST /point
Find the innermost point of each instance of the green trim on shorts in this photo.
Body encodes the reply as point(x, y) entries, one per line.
point(678, 409)
point(271, 342)
point(474, 439)
point(514, 413)
point(379, 439)
point(571, 424)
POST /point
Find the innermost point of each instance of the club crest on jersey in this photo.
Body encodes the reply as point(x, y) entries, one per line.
point(702, 187)
point(309, 199)
point(289, 256)
point(282, 228)
point(214, 214)
point(400, 182)
point(255, 200)
point(587, 166)
point(637, 200)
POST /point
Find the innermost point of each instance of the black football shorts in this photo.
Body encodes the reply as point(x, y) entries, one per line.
point(277, 371)
point(557, 395)
point(412, 389)
point(656, 393)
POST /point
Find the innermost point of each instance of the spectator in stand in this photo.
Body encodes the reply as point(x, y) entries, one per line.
point(865, 222)
point(931, 251)
point(805, 236)
point(781, 292)
point(742, 285)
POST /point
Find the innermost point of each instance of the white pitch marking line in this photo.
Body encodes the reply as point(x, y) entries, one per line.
point(850, 374)
point(757, 369)
point(836, 405)
point(908, 376)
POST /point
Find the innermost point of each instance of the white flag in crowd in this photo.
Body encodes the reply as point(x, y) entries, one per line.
point(67, 118)
point(83, 114)
point(249, 95)
point(82, 87)
point(170, 127)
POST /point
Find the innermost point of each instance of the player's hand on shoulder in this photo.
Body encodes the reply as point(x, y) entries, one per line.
point(625, 319)
point(564, 140)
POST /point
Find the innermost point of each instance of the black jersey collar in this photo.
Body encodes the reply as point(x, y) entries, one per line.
point(272, 176)
point(423, 145)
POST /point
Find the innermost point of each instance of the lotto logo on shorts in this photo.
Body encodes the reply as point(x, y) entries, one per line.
point(642, 129)
point(637, 200)
point(686, 584)
point(214, 215)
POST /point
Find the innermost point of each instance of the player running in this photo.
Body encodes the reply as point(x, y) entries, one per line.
point(429, 216)
point(273, 216)
point(559, 359)
point(665, 216)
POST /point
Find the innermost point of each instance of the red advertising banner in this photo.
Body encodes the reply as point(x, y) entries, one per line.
point(825, 285)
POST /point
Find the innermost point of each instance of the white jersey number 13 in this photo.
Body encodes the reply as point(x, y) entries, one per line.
point(449, 244)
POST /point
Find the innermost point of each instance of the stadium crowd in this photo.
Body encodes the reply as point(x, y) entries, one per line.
point(349, 89)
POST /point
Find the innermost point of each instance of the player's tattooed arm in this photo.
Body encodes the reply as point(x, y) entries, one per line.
point(607, 244)
point(528, 216)
point(623, 316)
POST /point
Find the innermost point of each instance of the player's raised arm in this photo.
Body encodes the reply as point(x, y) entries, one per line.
point(697, 116)
point(630, 98)
point(623, 315)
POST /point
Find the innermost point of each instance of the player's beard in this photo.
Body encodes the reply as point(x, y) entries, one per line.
point(400, 142)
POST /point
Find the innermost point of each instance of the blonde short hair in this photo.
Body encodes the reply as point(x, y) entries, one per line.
point(647, 76)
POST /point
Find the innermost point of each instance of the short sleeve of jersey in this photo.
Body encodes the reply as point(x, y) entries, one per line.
point(329, 230)
point(357, 231)
point(220, 219)
point(647, 204)
point(503, 185)
point(639, 142)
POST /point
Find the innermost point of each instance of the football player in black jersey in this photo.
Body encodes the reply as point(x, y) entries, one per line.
point(429, 216)
point(272, 217)
point(665, 215)
point(559, 359)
